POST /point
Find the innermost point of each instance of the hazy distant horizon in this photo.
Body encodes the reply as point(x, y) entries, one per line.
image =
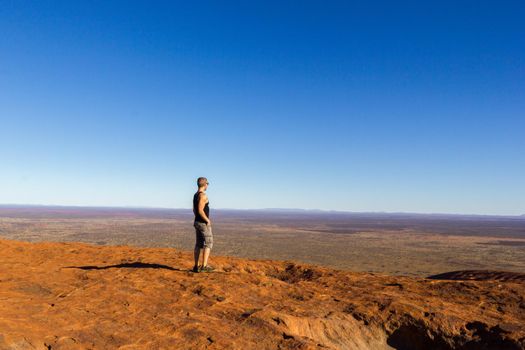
point(300, 210)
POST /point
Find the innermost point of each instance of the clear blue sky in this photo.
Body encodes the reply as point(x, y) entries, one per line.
point(363, 106)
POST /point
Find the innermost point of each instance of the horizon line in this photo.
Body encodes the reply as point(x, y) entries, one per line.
point(262, 209)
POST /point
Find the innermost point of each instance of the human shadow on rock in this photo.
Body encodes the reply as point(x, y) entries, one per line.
point(132, 265)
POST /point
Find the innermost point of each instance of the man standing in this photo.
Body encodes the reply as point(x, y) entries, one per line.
point(202, 224)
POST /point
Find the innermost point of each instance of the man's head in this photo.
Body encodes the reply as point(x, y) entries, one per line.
point(202, 182)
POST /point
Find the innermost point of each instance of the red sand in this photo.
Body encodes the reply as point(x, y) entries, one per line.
point(79, 296)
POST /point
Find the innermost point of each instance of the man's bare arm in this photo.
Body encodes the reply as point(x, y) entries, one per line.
point(203, 199)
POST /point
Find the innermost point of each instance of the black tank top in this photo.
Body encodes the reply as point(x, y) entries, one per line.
point(198, 217)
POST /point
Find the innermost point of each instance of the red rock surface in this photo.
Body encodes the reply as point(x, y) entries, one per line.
point(79, 296)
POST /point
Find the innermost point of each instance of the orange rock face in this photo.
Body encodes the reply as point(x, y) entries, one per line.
point(79, 296)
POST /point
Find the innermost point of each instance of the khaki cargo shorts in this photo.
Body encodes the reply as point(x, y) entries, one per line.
point(203, 235)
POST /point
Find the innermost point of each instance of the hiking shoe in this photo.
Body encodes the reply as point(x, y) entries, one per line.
point(207, 268)
point(195, 268)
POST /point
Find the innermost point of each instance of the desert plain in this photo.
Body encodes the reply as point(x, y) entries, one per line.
point(398, 244)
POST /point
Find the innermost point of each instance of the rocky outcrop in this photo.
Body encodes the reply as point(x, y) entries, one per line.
point(80, 296)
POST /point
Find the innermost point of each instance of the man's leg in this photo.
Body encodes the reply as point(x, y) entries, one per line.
point(196, 253)
point(205, 256)
point(208, 244)
point(199, 242)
